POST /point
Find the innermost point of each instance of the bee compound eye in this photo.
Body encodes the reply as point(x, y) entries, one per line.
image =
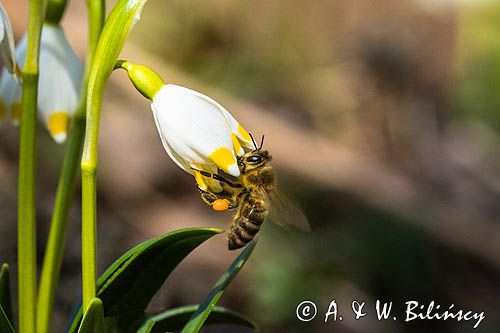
point(254, 159)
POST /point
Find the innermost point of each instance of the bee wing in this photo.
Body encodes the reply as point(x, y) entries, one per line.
point(286, 212)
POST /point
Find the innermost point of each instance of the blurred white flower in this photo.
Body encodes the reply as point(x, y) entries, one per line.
point(6, 51)
point(60, 77)
point(10, 88)
point(61, 73)
point(198, 133)
point(6, 42)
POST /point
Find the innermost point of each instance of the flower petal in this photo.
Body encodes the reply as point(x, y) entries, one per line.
point(237, 145)
point(15, 113)
point(204, 182)
point(10, 94)
point(7, 42)
point(236, 128)
point(171, 152)
point(225, 160)
point(58, 124)
point(10, 88)
point(60, 73)
point(3, 110)
point(59, 84)
point(194, 129)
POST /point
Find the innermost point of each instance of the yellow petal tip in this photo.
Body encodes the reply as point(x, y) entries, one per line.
point(15, 113)
point(225, 160)
point(58, 123)
point(244, 134)
point(2, 109)
point(236, 145)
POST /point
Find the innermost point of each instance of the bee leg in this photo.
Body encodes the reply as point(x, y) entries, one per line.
point(218, 177)
point(226, 181)
point(207, 184)
point(234, 201)
point(207, 197)
point(210, 198)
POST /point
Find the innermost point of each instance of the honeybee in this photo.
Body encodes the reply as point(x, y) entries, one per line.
point(252, 194)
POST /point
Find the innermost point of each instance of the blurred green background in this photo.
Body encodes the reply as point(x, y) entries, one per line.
point(384, 121)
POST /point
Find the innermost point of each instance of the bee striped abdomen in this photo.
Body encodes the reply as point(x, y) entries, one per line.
point(246, 223)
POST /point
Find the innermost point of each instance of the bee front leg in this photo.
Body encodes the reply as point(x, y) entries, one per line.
point(217, 177)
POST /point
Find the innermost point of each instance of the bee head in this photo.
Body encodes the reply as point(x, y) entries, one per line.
point(253, 159)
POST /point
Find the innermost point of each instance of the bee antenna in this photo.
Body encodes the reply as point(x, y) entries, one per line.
point(261, 141)
point(253, 140)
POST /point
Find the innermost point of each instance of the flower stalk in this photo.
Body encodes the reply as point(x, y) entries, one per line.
point(57, 236)
point(55, 11)
point(118, 25)
point(27, 170)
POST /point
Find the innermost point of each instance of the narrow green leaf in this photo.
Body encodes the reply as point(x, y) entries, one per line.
point(175, 319)
point(5, 297)
point(93, 320)
point(5, 324)
point(201, 314)
point(127, 286)
point(118, 25)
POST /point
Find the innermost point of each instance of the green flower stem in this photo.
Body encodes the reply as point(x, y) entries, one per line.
point(115, 31)
point(97, 15)
point(55, 245)
point(89, 234)
point(57, 236)
point(55, 11)
point(27, 172)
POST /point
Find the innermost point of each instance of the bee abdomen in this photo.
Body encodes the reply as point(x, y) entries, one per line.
point(252, 213)
point(247, 225)
point(242, 231)
point(255, 215)
point(234, 243)
point(238, 237)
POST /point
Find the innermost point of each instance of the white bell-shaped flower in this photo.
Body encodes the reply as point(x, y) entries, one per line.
point(59, 82)
point(198, 133)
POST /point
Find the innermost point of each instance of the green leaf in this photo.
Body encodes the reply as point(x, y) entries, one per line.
point(5, 298)
point(120, 22)
point(175, 319)
point(201, 314)
point(93, 320)
point(5, 325)
point(128, 285)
